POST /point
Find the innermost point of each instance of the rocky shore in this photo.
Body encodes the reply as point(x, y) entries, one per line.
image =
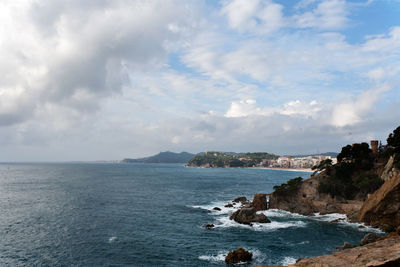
point(381, 209)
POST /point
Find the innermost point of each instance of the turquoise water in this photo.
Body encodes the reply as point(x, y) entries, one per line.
point(148, 215)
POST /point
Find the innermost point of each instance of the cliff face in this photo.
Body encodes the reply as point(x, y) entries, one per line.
point(382, 208)
point(307, 200)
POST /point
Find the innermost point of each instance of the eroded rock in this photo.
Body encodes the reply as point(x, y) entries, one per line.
point(259, 202)
point(239, 255)
point(369, 238)
point(248, 216)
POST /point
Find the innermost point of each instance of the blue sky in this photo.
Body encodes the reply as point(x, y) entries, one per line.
point(127, 78)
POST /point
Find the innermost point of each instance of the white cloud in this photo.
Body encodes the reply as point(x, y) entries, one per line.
point(352, 112)
point(328, 15)
point(254, 15)
point(74, 53)
point(294, 108)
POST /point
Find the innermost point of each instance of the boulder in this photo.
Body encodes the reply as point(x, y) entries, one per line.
point(382, 208)
point(216, 208)
point(229, 205)
point(259, 202)
point(248, 215)
point(346, 245)
point(240, 199)
point(369, 238)
point(209, 226)
point(238, 255)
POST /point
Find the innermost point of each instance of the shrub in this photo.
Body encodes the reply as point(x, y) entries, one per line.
point(368, 183)
point(289, 188)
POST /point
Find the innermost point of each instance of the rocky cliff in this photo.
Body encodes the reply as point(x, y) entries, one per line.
point(384, 252)
point(307, 200)
point(382, 208)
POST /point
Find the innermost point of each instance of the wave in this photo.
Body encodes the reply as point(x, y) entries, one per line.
point(219, 204)
point(225, 222)
point(112, 239)
point(343, 220)
point(287, 261)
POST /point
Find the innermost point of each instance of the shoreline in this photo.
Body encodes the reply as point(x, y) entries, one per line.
point(260, 168)
point(282, 169)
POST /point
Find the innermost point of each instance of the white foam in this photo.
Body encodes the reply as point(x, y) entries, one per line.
point(344, 221)
point(112, 239)
point(287, 261)
point(219, 204)
point(275, 213)
point(220, 257)
point(225, 222)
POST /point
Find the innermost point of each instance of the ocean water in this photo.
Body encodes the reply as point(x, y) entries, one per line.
point(149, 215)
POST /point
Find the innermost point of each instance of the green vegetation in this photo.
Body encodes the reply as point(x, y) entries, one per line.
point(368, 183)
point(323, 165)
point(221, 160)
point(393, 146)
point(344, 179)
point(289, 188)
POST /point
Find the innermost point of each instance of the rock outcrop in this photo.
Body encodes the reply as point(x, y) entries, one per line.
point(389, 172)
point(240, 199)
point(238, 255)
point(384, 252)
point(308, 201)
point(382, 208)
point(369, 238)
point(259, 202)
point(248, 216)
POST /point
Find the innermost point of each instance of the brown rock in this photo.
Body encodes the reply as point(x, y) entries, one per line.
point(346, 245)
point(260, 202)
point(248, 215)
point(382, 208)
point(381, 253)
point(369, 238)
point(209, 226)
point(216, 208)
point(229, 205)
point(240, 199)
point(239, 255)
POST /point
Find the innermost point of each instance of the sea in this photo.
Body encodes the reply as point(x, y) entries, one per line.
point(111, 214)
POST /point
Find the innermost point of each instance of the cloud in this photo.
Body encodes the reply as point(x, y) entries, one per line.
point(328, 15)
point(74, 54)
point(254, 15)
point(352, 112)
point(294, 108)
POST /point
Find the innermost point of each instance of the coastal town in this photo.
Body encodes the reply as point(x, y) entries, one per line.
point(295, 162)
point(212, 159)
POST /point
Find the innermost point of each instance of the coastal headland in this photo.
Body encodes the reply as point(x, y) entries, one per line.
point(364, 185)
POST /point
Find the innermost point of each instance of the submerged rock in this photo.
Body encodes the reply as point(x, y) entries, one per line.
point(260, 202)
point(248, 215)
point(369, 238)
point(239, 255)
point(240, 199)
point(209, 226)
point(346, 245)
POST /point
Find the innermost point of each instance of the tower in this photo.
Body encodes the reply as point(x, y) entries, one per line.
point(374, 147)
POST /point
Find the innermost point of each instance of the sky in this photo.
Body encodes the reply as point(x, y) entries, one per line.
point(106, 80)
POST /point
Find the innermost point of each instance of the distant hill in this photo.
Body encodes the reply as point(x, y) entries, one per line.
point(214, 159)
point(163, 157)
point(330, 154)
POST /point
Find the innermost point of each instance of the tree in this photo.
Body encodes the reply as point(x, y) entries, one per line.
point(394, 140)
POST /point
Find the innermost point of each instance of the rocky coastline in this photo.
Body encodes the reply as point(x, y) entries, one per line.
point(381, 209)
